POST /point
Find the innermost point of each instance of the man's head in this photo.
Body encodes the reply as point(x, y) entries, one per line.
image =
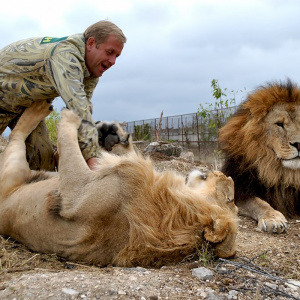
point(104, 42)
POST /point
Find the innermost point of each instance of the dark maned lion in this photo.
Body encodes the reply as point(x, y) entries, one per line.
point(122, 213)
point(262, 145)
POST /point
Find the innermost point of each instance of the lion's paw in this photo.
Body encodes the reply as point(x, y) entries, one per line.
point(273, 222)
point(111, 134)
point(37, 112)
point(31, 117)
point(69, 116)
point(223, 234)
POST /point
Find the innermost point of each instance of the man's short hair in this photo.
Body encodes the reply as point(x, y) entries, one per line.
point(101, 30)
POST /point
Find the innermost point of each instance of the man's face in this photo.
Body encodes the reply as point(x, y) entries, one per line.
point(99, 59)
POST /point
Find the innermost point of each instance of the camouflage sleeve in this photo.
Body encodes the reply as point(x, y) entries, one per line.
point(66, 74)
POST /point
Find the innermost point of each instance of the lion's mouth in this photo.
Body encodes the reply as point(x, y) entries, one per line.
point(292, 163)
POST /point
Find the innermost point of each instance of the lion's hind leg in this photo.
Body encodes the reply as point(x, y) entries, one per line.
point(15, 168)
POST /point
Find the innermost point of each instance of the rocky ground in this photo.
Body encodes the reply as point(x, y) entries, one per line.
point(261, 270)
point(267, 266)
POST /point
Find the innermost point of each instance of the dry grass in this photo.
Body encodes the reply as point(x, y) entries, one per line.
point(14, 257)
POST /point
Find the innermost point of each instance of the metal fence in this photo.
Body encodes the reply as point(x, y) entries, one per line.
point(194, 131)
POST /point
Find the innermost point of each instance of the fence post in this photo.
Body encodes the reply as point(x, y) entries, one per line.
point(181, 130)
point(198, 140)
point(134, 135)
point(168, 128)
point(154, 130)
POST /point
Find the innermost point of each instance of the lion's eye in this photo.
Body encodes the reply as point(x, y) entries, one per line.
point(229, 200)
point(280, 124)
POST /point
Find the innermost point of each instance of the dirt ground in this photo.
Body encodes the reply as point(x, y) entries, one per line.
point(265, 261)
point(261, 270)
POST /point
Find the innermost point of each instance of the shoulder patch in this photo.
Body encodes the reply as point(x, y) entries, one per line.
point(48, 40)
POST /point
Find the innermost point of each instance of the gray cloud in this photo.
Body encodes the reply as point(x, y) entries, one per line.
point(173, 52)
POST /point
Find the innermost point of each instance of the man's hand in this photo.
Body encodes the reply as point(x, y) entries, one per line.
point(92, 162)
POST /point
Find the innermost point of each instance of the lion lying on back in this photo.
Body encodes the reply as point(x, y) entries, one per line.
point(123, 213)
point(262, 146)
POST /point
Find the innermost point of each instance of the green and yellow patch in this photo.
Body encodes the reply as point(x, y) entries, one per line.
point(48, 40)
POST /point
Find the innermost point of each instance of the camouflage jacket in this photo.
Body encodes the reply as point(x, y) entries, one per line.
point(44, 68)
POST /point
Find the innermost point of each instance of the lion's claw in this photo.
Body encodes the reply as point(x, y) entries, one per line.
point(276, 224)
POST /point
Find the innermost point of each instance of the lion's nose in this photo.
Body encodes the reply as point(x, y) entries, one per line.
point(296, 145)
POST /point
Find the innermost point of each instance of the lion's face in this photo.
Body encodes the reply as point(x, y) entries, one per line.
point(264, 135)
point(218, 187)
point(283, 134)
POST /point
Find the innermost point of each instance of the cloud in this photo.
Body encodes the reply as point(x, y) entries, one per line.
point(174, 48)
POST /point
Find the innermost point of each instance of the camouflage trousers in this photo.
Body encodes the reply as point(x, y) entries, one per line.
point(39, 149)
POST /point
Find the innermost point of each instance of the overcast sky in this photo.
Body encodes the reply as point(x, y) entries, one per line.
point(174, 48)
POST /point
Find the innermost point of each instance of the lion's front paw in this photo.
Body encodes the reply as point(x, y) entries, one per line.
point(31, 117)
point(223, 234)
point(36, 112)
point(272, 222)
point(69, 116)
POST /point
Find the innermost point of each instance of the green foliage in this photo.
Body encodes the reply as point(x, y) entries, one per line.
point(263, 256)
point(51, 123)
point(213, 115)
point(205, 254)
point(142, 132)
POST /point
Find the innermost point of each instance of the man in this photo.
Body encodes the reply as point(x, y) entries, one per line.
point(41, 69)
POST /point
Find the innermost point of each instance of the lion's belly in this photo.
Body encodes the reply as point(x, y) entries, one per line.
point(26, 218)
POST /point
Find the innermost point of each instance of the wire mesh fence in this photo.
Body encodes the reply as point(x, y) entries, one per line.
point(193, 131)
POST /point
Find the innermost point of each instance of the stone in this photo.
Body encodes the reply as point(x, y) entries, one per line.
point(70, 292)
point(188, 156)
point(164, 148)
point(203, 273)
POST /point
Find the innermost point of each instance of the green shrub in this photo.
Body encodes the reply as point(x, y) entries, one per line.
point(51, 123)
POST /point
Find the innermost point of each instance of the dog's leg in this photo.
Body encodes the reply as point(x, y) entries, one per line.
point(15, 167)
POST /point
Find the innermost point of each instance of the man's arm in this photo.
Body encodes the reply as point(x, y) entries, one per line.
point(66, 74)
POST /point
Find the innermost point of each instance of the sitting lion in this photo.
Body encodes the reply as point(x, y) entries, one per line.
point(123, 213)
point(262, 146)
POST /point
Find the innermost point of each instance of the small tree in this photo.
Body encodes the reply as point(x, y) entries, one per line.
point(213, 115)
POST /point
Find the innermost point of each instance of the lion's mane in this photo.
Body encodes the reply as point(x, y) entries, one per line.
point(254, 167)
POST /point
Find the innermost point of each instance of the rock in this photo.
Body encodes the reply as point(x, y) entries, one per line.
point(203, 273)
point(271, 285)
point(70, 292)
point(293, 284)
point(151, 147)
point(211, 295)
point(121, 292)
point(166, 149)
point(188, 156)
point(233, 294)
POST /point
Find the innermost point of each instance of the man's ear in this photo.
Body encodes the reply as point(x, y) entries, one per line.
point(90, 43)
